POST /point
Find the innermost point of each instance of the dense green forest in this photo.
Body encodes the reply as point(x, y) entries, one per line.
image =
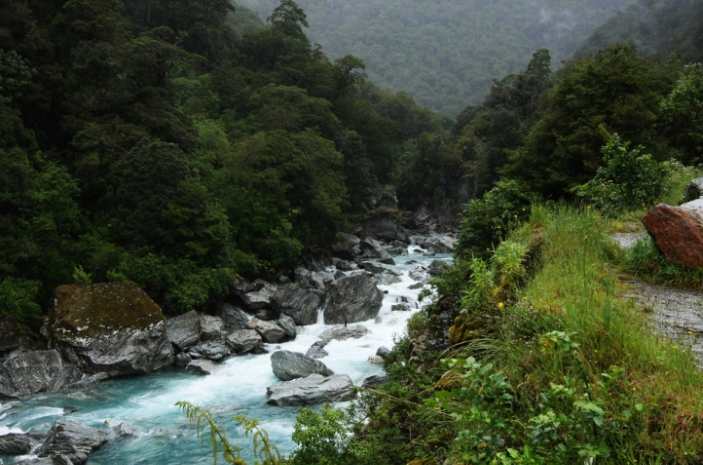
point(158, 142)
point(446, 53)
point(663, 27)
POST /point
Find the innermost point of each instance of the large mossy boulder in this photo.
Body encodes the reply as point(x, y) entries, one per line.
point(110, 327)
point(352, 299)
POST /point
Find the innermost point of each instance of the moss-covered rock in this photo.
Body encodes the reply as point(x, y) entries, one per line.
point(110, 327)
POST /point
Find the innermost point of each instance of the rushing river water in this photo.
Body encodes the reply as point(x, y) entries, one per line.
point(237, 388)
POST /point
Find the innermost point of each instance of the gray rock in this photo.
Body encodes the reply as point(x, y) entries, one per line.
point(32, 372)
point(121, 428)
point(88, 381)
point(261, 297)
point(266, 314)
point(72, 439)
point(318, 280)
point(17, 444)
point(300, 274)
point(400, 307)
point(374, 380)
point(234, 317)
point(383, 352)
point(291, 365)
point(211, 350)
point(352, 299)
point(416, 286)
point(288, 325)
point(347, 246)
point(9, 333)
point(387, 261)
point(378, 267)
point(442, 243)
point(371, 248)
point(242, 341)
point(181, 360)
point(376, 360)
point(212, 326)
point(56, 460)
point(409, 301)
point(269, 332)
point(202, 366)
point(346, 266)
point(184, 330)
point(693, 191)
point(110, 327)
point(240, 287)
point(317, 350)
point(339, 274)
point(436, 268)
point(384, 279)
point(314, 389)
point(301, 304)
point(341, 333)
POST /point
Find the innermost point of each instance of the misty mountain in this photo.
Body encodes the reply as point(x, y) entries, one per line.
point(446, 53)
point(662, 27)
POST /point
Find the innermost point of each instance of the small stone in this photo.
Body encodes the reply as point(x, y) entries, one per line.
point(383, 351)
point(376, 360)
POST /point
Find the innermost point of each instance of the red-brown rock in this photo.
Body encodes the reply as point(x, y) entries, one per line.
point(678, 232)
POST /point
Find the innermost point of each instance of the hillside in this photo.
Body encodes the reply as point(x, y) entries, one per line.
point(661, 27)
point(446, 54)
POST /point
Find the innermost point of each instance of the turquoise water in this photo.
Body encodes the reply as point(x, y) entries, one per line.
point(237, 388)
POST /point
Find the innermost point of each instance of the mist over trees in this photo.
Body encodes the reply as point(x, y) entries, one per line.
point(446, 53)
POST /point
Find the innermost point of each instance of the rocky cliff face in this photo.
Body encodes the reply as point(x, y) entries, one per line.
point(110, 327)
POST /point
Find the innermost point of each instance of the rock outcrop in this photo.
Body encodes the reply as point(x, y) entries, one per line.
point(72, 439)
point(269, 332)
point(234, 318)
point(243, 341)
point(291, 365)
point(297, 302)
point(342, 333)
point(32, 372)
point(184, 330)
point(18, 444)
point(110, 327)
point(213, 328)
point(314, 389)
point(352, 299)
point(693, 191)
point(678, 232)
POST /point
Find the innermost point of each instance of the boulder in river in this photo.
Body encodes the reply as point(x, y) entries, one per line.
point(352, 299)
point(73, 440)
point(347, 246)
point(32, 372)
point(383, 352)
point(110, 327)
point(291, 365)
point(261, 296)
point(242, 341)
point(269, 332)
point(420, 274)
point(234, 317)
point(9, 333)
point(436, 268)
point(299, 303)
point(371, 248)
point(379, 267)
point(202, 367)
point(288, 325)
point(211, 350)
point(341, 333)
point(18, 444)
point(375, 380)
point(442, 243)
point(212, 326)
point(314, 389)
point(678, 232)
point(317, 350)
point(184, 330)
point(400, 308)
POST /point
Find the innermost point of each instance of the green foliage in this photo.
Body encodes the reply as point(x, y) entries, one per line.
point(322, 438)
point(682, 115)
point(629, 180)
point(81, 277)
point(18, 297)
point(489, 220)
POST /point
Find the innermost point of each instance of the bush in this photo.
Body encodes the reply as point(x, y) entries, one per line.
point(488, 221)
point(628, 181)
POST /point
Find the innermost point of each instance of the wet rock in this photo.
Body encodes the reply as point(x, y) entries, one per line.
point(678, 232)
point(409, 301)
point(291, 365)
point(442, 243)
point(184, 330)
point(374, 380)
point(300, 304)
point(181, 360)
point(384, 279)
point(261, 297)
point(242, 341)
point(352, 299)
point(212, 326)
point(379, 267)
point(301, 274)
point(288, 325)
point(318, 280)
point(387, 261)
point(420, 274)
point(314, 389)
point(241, 286)
point(110, 327)
point(234, 317)
point(121, 428)
point(383, 351)
point(88, 381)
point(341, 333)
point(72, 439)
point(347, 246)
point(269, 332)
point(400, 307)
point(339, 274)
point(416, 286)
point(17, 444)
point(211, 350)
point(9, 333)
point(266, 314)
point(32, 372)
point(282, 280)
point(385, 224)
point(436, 268)
point(693, 191)
point(371, 248)
point(346, 266)
point(317, 350)
point(202, 367)
point(375, 360)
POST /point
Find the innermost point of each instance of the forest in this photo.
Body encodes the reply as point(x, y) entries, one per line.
point(446, 54)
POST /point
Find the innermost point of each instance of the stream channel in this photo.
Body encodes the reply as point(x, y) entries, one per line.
point(237, 388)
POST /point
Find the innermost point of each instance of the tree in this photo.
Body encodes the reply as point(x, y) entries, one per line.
point(682, 115)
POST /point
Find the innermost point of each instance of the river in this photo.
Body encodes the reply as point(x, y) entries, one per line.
point(237, 388)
